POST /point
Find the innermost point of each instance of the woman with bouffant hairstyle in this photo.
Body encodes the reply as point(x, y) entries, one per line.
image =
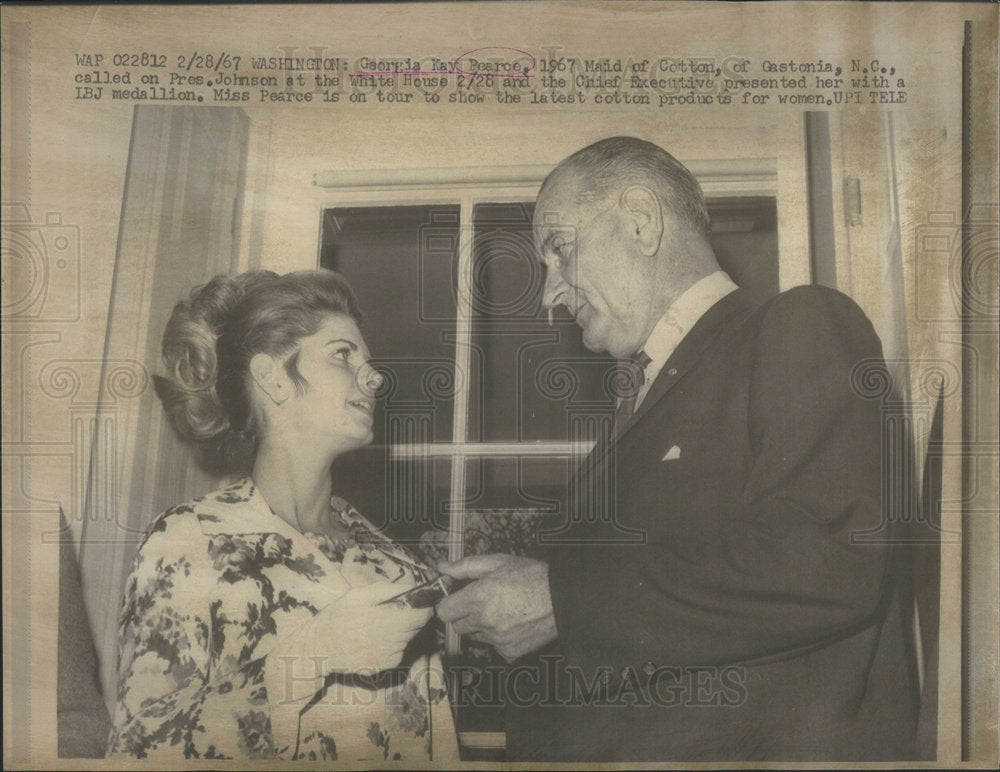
point(255, 621)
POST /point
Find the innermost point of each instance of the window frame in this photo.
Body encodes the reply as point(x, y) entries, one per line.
point(472, 185)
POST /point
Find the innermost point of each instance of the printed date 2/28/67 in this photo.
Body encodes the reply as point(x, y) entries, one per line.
point(211, 61)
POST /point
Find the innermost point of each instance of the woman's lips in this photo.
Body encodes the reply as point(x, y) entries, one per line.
point(363, 405)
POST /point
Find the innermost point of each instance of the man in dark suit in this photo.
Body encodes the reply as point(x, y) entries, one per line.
point(761, 618)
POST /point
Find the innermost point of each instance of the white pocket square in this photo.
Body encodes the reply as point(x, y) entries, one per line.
point(672, 454)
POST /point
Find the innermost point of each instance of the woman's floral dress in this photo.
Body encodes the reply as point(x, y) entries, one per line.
point(221, 583)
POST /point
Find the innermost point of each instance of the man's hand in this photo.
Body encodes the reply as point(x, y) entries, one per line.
point(508, 606)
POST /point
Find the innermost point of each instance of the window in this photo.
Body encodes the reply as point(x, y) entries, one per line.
point(533, 395)
point(486, 408)
point(402, 263)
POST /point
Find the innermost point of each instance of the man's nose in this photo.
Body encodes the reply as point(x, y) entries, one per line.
point(555, 288)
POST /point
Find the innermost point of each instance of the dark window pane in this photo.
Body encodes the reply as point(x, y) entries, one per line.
point(402, 262)
point(527, 381)
point(745, 239)
point(533, 379)
point(406, 497)
point(533, 382)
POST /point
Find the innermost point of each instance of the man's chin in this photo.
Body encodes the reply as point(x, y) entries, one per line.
point(604, 346)
point(602, 342)
point(594, 343)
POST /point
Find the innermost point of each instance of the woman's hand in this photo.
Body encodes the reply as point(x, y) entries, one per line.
point(376, 633)
point(353, 634)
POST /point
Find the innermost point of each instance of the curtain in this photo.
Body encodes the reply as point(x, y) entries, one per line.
point(900, 259)
point(180, 225)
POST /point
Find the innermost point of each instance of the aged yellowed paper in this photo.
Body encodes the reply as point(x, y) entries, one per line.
point(149, 148)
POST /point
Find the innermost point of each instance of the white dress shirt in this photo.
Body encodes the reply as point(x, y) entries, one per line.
point(678, 321)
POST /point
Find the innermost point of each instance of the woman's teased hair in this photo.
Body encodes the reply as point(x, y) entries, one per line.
point(211, 338)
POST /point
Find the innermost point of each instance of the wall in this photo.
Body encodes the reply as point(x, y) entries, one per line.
point(314, 142)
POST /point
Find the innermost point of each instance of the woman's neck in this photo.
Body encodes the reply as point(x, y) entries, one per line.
point(296, 484)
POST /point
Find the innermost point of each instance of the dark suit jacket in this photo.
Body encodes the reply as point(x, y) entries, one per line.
point(762, 618)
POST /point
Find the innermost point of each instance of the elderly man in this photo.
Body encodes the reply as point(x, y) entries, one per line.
point(758, 620)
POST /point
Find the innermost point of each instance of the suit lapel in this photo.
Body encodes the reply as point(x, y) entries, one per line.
point(689, 351)
point(685, 356)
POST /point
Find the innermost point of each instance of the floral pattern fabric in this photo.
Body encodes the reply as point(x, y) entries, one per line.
point(216, 587)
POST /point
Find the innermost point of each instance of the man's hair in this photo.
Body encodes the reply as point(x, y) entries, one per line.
point(616, 163)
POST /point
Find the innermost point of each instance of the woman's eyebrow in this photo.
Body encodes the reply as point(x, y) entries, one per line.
point(351, 343)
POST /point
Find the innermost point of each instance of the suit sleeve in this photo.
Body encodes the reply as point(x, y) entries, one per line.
point(786, 573)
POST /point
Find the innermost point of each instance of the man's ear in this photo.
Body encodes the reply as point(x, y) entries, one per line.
point(644, 218)
point(269, 374)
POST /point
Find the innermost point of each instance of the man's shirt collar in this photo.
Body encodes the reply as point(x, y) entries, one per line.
point(678, 321)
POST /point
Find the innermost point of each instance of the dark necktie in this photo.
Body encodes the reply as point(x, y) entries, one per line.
point(634, 380)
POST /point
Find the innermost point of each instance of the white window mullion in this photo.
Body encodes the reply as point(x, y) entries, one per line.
point(460, 416)
point(537, 448)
